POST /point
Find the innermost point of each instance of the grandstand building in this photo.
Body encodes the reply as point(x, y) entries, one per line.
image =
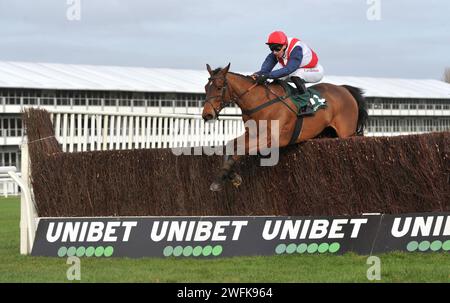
point(396, 106)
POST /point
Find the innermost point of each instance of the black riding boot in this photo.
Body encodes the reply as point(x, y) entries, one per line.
point(300, 84)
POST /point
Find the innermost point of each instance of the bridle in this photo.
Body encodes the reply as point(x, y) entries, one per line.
point(223, 90)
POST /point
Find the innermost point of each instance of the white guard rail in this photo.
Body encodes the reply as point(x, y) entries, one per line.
point(83, 131)
point(7, 184)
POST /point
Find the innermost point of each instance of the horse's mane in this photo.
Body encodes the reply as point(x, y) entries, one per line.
point(243, 76)
point(249, 78)
point(217, 70)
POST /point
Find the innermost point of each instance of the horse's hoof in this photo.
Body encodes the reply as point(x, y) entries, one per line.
point(216, 186)
point(237, 180)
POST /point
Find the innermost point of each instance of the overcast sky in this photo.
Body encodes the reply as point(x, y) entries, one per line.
point(412, 39)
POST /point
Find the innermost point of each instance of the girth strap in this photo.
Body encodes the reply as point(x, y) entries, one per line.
point(299, 118)
point(297, 129)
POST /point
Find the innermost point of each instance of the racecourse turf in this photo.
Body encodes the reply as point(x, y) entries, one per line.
point(395, 267)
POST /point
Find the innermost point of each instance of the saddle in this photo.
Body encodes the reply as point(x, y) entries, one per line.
point(308, 103)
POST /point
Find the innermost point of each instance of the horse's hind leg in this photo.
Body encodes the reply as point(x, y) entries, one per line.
point(346, 119)
point(344, 127)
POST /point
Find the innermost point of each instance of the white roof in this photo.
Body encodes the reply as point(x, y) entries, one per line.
point(121, 78)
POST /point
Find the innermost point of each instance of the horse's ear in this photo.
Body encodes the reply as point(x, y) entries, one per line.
point(227, 68)
point(209, 69)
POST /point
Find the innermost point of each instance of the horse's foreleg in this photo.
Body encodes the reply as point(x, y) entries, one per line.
point(229, 164)
point(239, 147)
point(226, 171)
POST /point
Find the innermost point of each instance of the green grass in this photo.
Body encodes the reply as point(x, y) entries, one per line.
point(395, 267)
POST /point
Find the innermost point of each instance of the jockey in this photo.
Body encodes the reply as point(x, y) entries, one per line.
point(300, 63)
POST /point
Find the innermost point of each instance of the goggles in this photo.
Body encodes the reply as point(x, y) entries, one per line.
point(276, 47)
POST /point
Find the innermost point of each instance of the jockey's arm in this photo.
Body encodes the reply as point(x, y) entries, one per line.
point(268, 64)
point(292, 65)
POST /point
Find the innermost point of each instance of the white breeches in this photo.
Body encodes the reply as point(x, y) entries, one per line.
point(310, 75)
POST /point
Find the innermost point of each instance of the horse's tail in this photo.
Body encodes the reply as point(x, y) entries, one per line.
point(357, 93)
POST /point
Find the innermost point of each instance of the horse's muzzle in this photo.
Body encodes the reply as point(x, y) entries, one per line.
point(208, 117)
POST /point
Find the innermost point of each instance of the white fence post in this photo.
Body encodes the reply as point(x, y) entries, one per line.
point(27, 210)
point(23, 209)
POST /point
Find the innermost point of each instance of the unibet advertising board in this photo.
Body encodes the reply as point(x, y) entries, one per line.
point(240, 236)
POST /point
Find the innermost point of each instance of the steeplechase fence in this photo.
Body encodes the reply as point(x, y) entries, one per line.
point(112, 196)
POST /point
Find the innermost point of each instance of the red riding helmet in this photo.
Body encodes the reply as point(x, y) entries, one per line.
point(277, 37)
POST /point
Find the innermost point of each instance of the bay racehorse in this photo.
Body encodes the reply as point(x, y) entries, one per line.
point(344, 116)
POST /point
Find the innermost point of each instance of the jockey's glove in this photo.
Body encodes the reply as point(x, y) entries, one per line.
point(261, 79)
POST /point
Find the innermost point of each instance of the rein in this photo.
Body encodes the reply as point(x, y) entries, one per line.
point(236, 99)
point(270, 102)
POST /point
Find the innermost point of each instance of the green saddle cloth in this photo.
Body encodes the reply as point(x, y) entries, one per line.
point(307, 103)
